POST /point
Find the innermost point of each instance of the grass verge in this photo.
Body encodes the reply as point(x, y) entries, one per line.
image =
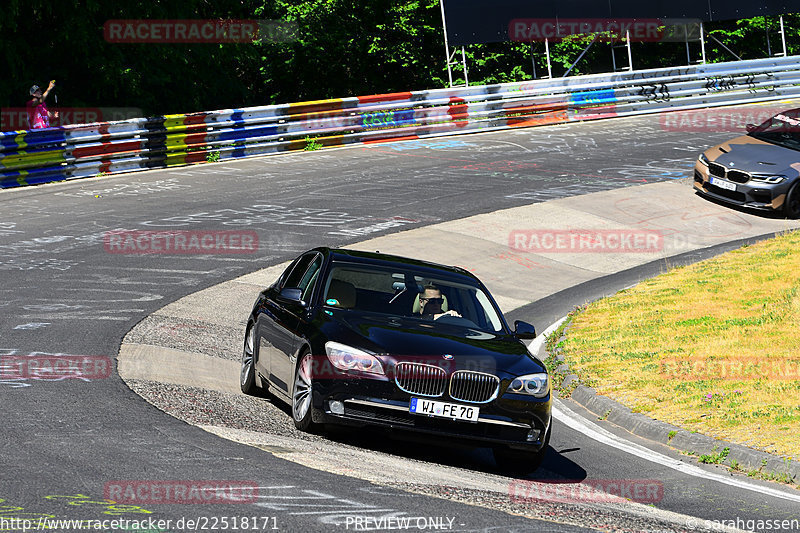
point(712, 347)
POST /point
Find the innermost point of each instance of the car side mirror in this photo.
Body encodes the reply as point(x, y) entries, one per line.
point(292, 296)
point(523, 330)
point(750, 128)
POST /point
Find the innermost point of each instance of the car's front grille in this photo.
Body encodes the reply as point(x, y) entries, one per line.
point(721, 171)
point(715, 169)
point(738, 176)
point(474, 387)
point(416, 378)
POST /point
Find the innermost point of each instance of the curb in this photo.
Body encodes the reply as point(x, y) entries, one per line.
point(695, 444)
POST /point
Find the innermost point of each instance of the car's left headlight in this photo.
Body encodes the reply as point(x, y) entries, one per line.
point(537, 385)
point(703, 159)
point(346, 357)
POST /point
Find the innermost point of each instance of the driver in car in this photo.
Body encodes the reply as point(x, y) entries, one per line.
point(432, 304)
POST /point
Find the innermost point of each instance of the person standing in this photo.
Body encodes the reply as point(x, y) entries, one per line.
point(38, 114)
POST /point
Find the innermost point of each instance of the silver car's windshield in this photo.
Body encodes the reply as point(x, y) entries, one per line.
point(783, 129)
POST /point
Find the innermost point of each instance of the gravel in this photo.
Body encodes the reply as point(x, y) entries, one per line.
point(205, 407)
point(189, 336)
point(610, 519)
point(396, 464)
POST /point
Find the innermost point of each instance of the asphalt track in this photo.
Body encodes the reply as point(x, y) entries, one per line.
point(62, 293)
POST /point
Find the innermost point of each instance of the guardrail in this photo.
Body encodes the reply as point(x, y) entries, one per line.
point(77, 151)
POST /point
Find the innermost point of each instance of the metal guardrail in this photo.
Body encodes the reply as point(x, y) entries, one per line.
point(76, 151)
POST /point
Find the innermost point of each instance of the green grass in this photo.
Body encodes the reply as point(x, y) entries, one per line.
point(712, 347)
point(714, 458)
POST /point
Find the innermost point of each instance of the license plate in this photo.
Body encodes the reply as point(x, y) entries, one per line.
point(454, 411)
point(722, 184)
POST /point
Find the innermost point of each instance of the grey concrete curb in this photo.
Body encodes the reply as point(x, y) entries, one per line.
point(678, 438)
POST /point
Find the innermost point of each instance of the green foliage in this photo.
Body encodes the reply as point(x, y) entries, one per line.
point(212, 157)
point(312, 144)
point(752, 38)
point(341, 49)
point(714, 457)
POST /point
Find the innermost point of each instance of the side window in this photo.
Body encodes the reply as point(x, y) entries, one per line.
point(310, 277)
point(292, 279)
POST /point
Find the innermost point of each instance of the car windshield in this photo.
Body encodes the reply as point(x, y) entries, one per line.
point(411, 294)
point(783, 129)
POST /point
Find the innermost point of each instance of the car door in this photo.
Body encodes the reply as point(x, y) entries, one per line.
point(285, 317)
point(275, 326)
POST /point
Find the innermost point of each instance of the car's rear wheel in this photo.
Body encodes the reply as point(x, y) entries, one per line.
point(247, 375)
point(301, 395)
point(520, 462)
point(791, 207)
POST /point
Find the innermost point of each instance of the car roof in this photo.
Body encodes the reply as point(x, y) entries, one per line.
point(377, 258)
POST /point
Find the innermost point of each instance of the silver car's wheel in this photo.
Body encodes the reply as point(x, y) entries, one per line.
point(301, 394)
point(247, 376)
point(791, 206)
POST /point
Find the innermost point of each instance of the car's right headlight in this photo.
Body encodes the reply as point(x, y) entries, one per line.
point(703, 159)
point(346, 357)
point(537, 385)
point(772, 179)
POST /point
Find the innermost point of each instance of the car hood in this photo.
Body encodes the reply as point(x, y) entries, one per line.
point(752, 155)
point(398, 339)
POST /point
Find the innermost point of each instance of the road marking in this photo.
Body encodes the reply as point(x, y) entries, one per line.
point(161, 270)
point(574, 421)
point(578, 423)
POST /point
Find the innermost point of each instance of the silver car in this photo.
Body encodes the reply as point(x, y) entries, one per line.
point(760, 170)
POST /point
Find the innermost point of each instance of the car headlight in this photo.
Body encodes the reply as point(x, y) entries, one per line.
point(777, 178)
point(537, 385)
point(703, 159)
point(346, 357)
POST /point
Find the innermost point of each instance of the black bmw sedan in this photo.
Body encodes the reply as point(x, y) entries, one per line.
point(356, 338)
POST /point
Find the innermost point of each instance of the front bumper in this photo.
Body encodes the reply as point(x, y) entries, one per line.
point(754, 195)
point(507, 420)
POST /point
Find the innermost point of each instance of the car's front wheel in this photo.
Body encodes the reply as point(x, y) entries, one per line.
point(791, 207)
point(520, 462)
point(247, 375)
point(301, 395)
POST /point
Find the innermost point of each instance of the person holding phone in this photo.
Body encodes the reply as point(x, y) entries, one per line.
point(38, 114)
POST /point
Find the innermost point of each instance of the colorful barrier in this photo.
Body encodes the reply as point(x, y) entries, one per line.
point(76, 151)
